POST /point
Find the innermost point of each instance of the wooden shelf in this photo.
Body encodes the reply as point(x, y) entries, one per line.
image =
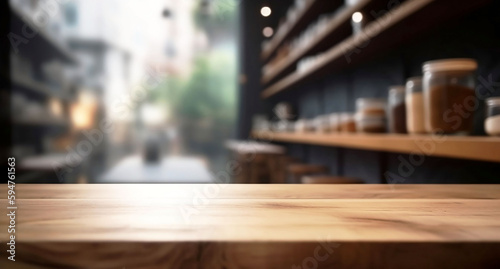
point(310, 12)
point(335, 23)
point(396, 27)
point(277, 40)
point(335, 53)
point(55, 46)
point(462, 147)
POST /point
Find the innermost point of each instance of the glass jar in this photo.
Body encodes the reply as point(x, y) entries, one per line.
point(347, 123)
point(449, 96)
point(284, 111)
point(414, 100)
point(260, 123)
point(321, 124)
point(282, 126)
point(304, 125)
point(492, 122)
point(334, 120)
point(397, 110)
point(370, 123)
point(300, 126)
point(371, 106)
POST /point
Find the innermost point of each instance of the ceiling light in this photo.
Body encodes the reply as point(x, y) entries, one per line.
point(268, 32)
point(357, 17)
point(265, 11)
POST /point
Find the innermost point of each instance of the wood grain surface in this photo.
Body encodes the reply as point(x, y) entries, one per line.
point(254, 226)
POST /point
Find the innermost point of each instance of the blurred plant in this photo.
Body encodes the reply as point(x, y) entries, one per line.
point(203, 105)
point(223, 8)
point(210, 91)
point(217, 16)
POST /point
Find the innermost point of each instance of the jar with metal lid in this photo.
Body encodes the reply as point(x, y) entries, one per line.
point(334, 120)
point(492, 122)
point(397, 110)
point(304, 125)
point(284, 111)
point(371, 106)
point(366, 123)
point(260, 123)
point(347, 123)
point(449, 95)
point(300, 126)
point(414, 100)
point(321, 124)
point(283, 126)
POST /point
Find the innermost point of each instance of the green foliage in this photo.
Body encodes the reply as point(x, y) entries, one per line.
point(203, 105)
point(210, 91)
point(220, 15)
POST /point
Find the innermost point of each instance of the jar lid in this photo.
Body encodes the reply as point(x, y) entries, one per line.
point(416, 80)
point(414, 84)
point(459, 64)
point(319, 120)
point(346, 116)
point(396, 89)
point(493, 101)
point(379, 102)
point(333, 116)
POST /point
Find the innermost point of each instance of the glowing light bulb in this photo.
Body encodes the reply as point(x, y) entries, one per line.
point(268, 32)
point(265, 11)
point(357, 17)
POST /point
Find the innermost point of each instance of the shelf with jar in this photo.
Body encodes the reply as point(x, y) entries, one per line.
point(323, 32)
point(297, 16)
point(431, 115)
point(399, 25)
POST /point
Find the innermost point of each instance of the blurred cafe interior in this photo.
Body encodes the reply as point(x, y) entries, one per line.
point(302, 91)
point(353, 133)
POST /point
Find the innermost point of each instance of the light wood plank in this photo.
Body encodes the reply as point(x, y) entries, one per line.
point(254, 191)
point(357, 226)
point(170, 220)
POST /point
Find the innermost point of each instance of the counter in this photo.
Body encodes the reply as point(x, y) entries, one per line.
point(254, 226)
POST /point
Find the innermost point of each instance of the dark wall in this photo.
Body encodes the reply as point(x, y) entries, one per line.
point(5, 85)
point(250, 39)
point(476, 35)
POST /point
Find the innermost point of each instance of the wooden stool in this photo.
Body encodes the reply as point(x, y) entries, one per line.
point(327, 179)
point(259, 169)
point(297, 171)
point(277, 167)
point(244, 175)
point(255, 160)
point(254, 168)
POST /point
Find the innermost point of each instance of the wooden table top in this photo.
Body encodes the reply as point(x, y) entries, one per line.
point(445, 213)
point(154, 213)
